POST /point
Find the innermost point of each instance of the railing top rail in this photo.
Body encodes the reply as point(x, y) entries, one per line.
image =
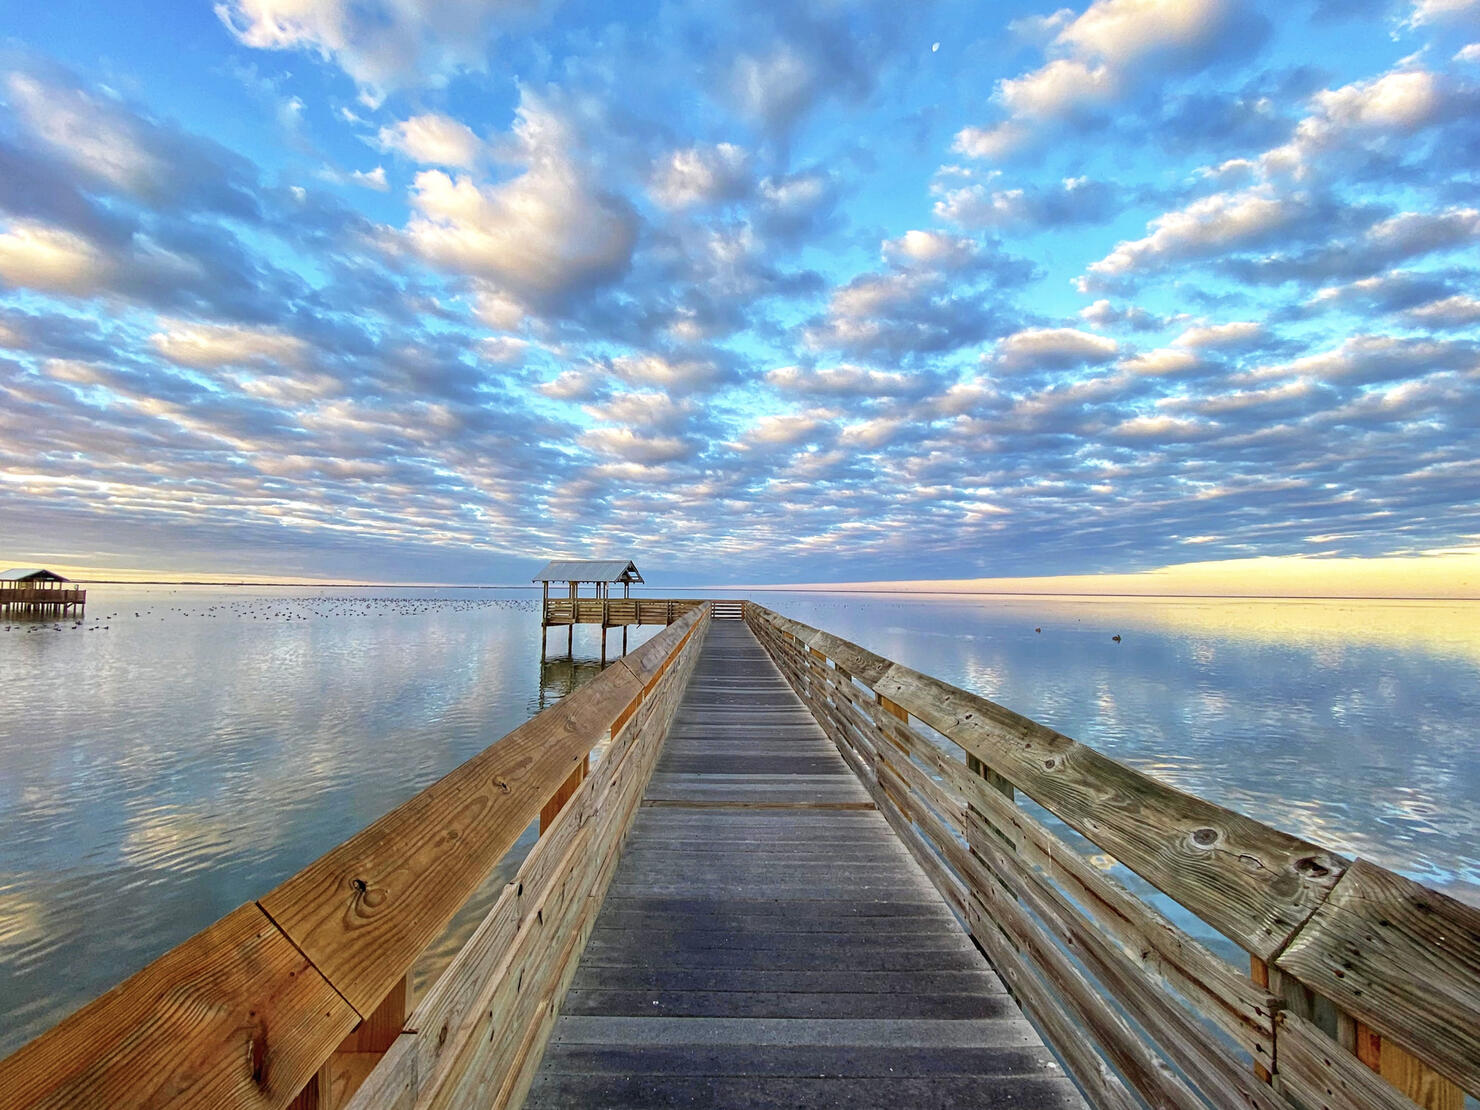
point(1396, 955)
point(243, 1013)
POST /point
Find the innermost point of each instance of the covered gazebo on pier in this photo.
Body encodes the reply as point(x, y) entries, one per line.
point(568, 610)
point(601, 573)
point(37, 590)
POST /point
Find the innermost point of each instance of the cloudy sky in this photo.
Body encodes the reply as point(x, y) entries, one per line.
point(794, 291)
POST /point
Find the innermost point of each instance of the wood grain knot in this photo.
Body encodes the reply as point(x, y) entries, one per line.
point(1311, 867)
point(257, 1053)
point(1205, 837)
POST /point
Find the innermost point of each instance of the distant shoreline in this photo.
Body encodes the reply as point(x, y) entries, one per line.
point(784, 589)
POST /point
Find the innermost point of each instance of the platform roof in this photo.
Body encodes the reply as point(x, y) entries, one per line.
point(30, 574)
point(589, 570)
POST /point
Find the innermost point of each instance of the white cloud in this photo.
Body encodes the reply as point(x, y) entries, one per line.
point(1040, 30)
point(636, 447)
point(434, 140)
point(503, 349)
point(380, 45)
point(1239, 333)
point(1223, 221)
point(1414, 233)
point(931, 250)
point(871, 296)
point(1113, 47)
point(90, 133)
point(796, 202)
point(1053, 349)
point(1443, 11)
point(976, 205)
point(1386, 109)
point(870, 435)
point(786, 429)
point(1402, 99)
point(546, 234)
point(702, 175)
point(371, 179)
point(213, 346)
point(1125, 32)
point(1169, 429)
point(1448, 312)
point(1058, 89)
point(36, 256)
point(775, 88)
point(646, 409)
point(1160, 363)
point(574, 385)
point(1103, 314)
point(845, 381)
point(684, 375)
point(1377, 358)
point(989, 143)
point(1069, 201)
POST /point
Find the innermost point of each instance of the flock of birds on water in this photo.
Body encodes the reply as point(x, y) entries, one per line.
point(269, 609)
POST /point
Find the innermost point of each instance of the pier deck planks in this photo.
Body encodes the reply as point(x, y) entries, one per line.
point(768, 942)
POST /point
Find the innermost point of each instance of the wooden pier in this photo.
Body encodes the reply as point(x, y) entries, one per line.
point(602, 609)
point(844, 883)
point(768, 942)
point(36, 592)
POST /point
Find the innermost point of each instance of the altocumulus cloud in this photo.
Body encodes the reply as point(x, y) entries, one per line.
point(761, 291)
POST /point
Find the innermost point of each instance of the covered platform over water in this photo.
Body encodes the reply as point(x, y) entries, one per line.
point(38, 591)
point(566, 607)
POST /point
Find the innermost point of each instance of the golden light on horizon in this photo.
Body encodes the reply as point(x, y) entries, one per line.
point(1445, 575)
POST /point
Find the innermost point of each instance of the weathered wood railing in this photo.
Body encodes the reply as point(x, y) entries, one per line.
point(64, 597)
point(613, 612)
point(1362, 983)
point(300, 997)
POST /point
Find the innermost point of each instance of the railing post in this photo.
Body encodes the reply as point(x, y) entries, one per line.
point(1259, 973)
point(1406, 1072)
point(1399, 1067)
point(552, 808)
point(345, 1070)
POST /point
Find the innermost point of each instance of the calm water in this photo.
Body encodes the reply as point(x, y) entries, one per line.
point(187, 748)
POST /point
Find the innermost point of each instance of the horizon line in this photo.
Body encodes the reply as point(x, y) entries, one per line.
point(841, 588)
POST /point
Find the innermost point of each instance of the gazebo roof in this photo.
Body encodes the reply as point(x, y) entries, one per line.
point(589, 570)
point(30, 574)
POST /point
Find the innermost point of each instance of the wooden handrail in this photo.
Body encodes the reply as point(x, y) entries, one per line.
point(477, 1037)
point(245, 1013)
point(653, 610)
point(1352, 965)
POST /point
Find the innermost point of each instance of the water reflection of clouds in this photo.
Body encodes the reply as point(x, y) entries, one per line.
point(1326, 627)
point(1344, 722)
point(154, 776)
point(180, 839)
point(22, 921)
